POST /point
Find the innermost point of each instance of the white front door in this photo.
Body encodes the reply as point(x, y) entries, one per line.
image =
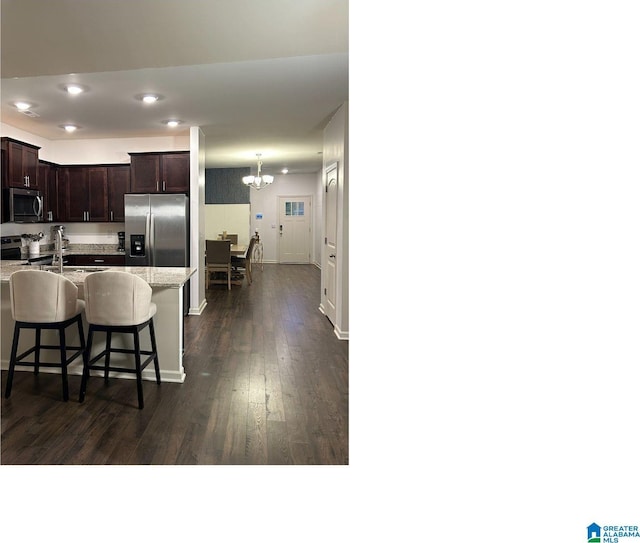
point(331, 242)
point(294, 245)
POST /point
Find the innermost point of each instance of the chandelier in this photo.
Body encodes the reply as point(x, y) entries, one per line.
point(258, 181)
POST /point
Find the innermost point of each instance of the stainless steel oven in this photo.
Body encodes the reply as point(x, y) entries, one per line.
point(11, 247)
point(11, 251)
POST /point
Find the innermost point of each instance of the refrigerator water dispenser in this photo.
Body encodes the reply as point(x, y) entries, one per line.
point(137, 245)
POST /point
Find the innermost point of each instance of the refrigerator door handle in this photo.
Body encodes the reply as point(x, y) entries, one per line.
point(152, 241)
point(147, 235)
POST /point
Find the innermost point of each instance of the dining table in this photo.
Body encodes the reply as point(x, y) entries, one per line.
point(238, 250)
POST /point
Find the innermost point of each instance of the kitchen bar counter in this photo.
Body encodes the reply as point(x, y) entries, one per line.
point(167, 294)
point(156, 277)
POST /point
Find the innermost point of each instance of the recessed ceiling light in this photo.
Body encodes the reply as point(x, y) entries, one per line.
point(69, 127)
point(172, 122)
point(148, 97)
point(22, 105)
point(285, 170)
point(74, 89)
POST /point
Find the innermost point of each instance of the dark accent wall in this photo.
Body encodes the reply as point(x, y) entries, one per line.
point(225, 186)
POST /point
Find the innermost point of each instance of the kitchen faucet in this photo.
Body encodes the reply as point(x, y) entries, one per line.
point(59, 255)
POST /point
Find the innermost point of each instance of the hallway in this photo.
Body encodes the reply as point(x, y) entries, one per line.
point(267, 383)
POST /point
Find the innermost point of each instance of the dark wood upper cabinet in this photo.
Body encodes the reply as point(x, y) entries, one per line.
point(118, 183)
point(21, 168)
point(48, 181)
point(73, 199)
point(84, 197)
point(160, 172)
point(94, 192)
point(98, 206)
point(175, 172)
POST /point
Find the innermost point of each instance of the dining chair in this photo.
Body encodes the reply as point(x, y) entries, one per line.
point(119, 302)
point(41, 300)
point(218, 259)
point(244, 263)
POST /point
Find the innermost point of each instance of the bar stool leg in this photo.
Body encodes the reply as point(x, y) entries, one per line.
point(85, 367)
point(36, 367)
point(107, 357)
point(136, 343)
point(156, 362)
point(12, 361)
point(63, 365)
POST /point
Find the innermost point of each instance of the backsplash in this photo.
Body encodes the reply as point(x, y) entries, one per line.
point(77, 233)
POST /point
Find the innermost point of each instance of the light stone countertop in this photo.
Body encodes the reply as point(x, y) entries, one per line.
point(155, 276)
point(83, 249)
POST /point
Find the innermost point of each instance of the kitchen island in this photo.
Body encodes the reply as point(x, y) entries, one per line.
point(167, 294)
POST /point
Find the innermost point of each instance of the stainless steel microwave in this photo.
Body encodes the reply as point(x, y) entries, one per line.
point(23, 205)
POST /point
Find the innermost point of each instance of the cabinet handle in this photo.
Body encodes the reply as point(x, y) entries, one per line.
point(98, 260)
point(112, 216)
point(157, 186)
point(164, 186)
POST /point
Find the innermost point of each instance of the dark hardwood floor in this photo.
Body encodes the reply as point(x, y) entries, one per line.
point(267, 383)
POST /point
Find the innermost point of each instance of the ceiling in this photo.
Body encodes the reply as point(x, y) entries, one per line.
point(256, 76)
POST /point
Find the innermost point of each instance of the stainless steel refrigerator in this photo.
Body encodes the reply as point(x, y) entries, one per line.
point(156, 230)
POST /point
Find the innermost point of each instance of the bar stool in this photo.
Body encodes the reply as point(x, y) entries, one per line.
point(119, 302)
point(42, 300)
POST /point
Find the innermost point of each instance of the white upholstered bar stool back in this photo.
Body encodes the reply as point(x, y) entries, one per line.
point(42, 300)
point(119, 302)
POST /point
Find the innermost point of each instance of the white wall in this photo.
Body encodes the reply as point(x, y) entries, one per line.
point(265, 201)
point(96, 151)
point(234, 218)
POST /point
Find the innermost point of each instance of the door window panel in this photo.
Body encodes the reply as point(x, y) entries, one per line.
point(294, 209)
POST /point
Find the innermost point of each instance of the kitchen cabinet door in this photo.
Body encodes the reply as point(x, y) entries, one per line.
point(75, 196)
point(119, 184)
point(98, 207)
point(145, 173)
point(85, 196)
point(175, 172)
point(22, 165)
point(48, 181)
point(160, 172)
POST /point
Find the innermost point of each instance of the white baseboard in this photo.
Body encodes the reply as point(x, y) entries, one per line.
point(340, 334)
point(198, 310)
